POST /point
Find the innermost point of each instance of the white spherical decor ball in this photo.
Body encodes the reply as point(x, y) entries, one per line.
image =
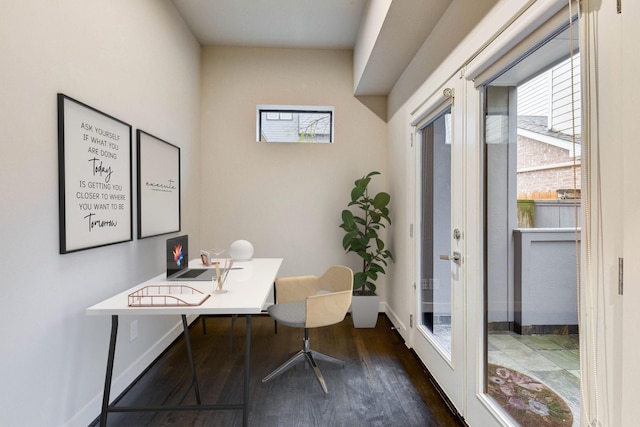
point(241, 250)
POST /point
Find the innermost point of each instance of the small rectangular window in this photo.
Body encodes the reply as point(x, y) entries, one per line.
point(294, 123)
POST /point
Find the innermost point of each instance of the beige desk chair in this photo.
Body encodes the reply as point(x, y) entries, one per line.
point(311, 302)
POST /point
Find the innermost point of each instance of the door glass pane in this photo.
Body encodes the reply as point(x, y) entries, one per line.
point(435, 276)
point(532, 237)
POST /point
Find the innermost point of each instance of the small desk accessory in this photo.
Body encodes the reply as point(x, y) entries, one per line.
point(166, 296)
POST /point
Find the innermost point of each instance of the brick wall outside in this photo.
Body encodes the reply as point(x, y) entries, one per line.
point(542, 184)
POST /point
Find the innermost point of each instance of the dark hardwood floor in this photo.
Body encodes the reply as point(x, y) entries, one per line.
point(382, 384)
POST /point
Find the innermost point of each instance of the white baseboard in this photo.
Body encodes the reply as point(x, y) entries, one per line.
point(397, 323)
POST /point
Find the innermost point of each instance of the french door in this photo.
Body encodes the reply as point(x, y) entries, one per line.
point(450, 175)
point(448, 330)
point(438, 314)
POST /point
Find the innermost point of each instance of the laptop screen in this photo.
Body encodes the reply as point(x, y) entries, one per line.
point(177, 254)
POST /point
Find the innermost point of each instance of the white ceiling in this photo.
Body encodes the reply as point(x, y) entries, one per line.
point(328, 24)
point(324, 24)
point(334, 24)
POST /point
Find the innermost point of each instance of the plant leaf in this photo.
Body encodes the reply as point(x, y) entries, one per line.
point(357, 192)
point(347, 218)
point(381, 200)
point(359, 279)
point(370, 286)
point(348, 239)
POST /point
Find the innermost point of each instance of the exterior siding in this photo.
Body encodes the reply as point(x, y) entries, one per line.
point(563, 80)
point(550, 95)
point(534, 97)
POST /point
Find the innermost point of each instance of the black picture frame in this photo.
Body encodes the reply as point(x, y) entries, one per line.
point(159, 207)
point(95, 181)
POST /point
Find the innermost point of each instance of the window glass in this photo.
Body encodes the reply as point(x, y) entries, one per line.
point(300, 124)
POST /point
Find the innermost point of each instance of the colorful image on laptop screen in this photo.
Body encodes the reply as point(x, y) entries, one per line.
point(177, 254)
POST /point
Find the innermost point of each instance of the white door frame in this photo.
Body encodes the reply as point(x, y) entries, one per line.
point(449, 373)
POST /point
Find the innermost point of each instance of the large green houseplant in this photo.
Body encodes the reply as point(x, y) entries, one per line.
point(362, 236)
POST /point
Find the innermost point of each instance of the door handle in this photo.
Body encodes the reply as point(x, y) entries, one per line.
point(456, 257)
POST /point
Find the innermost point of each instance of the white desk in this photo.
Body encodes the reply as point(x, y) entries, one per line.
point(247, 291)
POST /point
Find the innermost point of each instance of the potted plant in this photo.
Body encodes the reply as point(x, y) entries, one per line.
point(361, 237)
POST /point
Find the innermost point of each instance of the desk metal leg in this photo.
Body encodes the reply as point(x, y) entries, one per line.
point(275, 301)
point(247, 361)
point(109, 375)
point(187, 340)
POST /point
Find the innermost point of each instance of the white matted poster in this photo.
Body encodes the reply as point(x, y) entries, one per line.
point(94, 177)
point(158, 186)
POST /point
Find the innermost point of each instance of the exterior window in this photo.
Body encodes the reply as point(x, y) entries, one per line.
point(294, 123)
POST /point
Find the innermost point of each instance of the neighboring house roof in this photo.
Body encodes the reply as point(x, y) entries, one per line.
point(535, 127)
point(539, 125)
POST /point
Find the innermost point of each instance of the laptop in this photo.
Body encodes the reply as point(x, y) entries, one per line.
point(178, 262)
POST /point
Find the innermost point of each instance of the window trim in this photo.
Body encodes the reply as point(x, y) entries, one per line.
point(272, 108)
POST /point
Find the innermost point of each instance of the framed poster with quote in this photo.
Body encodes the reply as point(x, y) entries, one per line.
point(94, 177)
point(158, 186)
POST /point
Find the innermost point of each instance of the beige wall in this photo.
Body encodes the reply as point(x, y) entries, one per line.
point(284, 198)
point(136, 61)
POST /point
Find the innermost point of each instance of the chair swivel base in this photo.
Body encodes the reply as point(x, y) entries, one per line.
point(310, 356)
